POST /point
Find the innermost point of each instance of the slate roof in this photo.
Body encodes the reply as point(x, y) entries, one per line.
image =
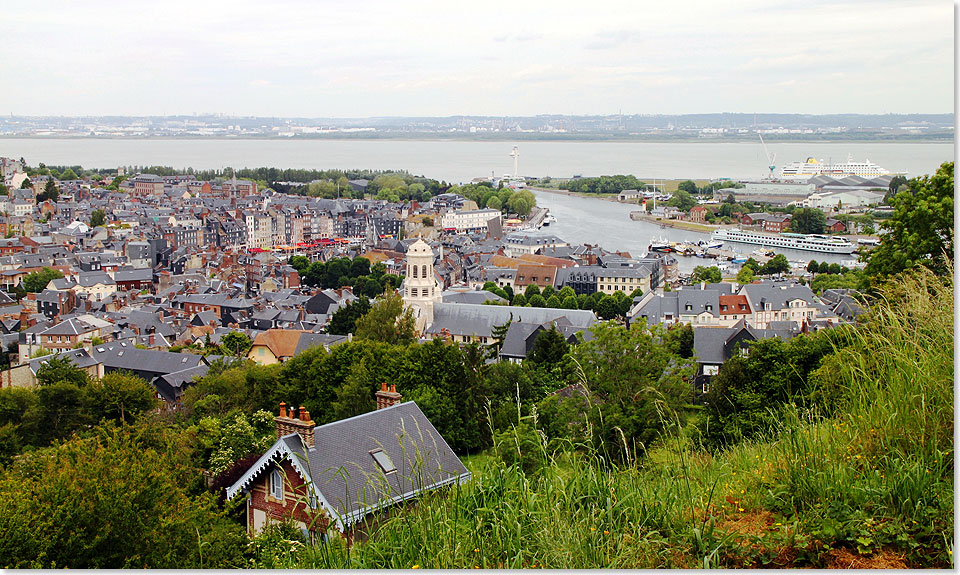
point(125, 356)
point(308, 340)
point(472, 296)
point(480, 320)
point(348, 481)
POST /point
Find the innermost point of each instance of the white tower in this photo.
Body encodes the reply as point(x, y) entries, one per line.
point(420, 288)
point(515, 154)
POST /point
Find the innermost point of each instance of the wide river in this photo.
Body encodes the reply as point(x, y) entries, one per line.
point(459, 161)
point(580, 220)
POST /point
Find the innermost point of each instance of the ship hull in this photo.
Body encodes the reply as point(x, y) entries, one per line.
point(793, 242)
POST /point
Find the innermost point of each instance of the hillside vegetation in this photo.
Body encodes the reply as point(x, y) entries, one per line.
point(871, 486)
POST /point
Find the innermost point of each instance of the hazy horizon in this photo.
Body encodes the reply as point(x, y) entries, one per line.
point(425, 58)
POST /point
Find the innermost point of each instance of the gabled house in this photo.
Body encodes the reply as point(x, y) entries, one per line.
point(274, 346)
point(336, 475)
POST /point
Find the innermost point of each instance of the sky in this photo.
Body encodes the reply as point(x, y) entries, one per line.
point(367, 58)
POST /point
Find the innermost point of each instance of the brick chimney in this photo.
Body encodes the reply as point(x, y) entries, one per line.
point(387, 397)
point(288, 423)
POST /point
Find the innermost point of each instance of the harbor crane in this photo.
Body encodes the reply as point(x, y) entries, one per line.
point(771, 158)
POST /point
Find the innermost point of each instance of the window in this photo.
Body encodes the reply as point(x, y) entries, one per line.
point(276, 484)
point(688, 307)
point(414, 271)
point(383, 460)
point(424, 268)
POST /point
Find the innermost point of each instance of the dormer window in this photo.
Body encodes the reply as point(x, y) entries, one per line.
point(688, 307)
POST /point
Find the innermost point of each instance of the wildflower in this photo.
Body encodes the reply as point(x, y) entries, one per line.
point(741, 509)
point(476, 551)
point(605, 532)
point(416, 566)
point(593, 529)
point(778, 524)
point(949, 552)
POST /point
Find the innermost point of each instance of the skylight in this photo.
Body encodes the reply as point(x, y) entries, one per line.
point(384, 461)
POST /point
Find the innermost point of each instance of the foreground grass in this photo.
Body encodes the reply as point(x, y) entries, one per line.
point(870, 487)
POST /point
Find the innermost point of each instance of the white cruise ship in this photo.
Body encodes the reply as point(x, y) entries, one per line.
point(805, 170)
point(811, 243)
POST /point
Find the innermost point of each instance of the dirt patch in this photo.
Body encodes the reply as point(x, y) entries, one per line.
point(846, 559)
point(755, 523)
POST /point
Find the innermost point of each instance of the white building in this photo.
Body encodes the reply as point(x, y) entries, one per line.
point(421, 290)
point(470, 220)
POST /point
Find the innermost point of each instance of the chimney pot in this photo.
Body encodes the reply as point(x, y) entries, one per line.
point(283, 409)
point(302, 413)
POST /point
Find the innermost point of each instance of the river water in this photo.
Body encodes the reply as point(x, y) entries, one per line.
point(595, 221)
point(459, 161)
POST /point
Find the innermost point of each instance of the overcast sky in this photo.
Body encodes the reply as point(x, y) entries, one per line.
point(359, 58)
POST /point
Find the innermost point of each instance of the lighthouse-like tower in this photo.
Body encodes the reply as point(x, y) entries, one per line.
point(420, 288)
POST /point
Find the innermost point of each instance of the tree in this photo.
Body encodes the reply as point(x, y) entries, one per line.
point(356, 395)
point(569, 302)
point(778, 264)
point(813, 267)
point(61, 370)
point(35, 282)
point(531, 290)
point(637, 386)
point(359, 267)
point(680, 340)
point(688, 186)
point(26, 184)
point(553, 301)
point(745, 275)
point(344, 319)
point(50, 192)
point(97, 218)
point(920, 231)
point(122, 498)
point(710, 275)
point(299, 263)
point(607, 307)
point(121, 397)
point(389, 321)
point(808, 221)
point(68, 174)
point(522, 202)
point(519, 300)
point(537, 300)
point(896, 183)
point(548, 291)
point(682, 200)
point(236, 343)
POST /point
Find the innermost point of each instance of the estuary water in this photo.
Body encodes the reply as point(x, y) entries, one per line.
point(459, 161)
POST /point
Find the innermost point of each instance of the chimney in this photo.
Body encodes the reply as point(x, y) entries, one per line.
point(387, 397)
point(288, 423)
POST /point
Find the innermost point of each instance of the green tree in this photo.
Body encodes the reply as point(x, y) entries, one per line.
point(553, 301)
point(682, 200)
point(236, 343)
point(896, 184)
point(389, 321)
point(920, 231)
point(550, 347)
point(680, 340)
point(607, 307)
point(778, 264)
point(637, 386)
point(50, 192)
point(745, 275)
point(121, 397)
point(356, 395)
point(97, 218)
point(519, 300)
point(344, 320)
point(299, 263)
point(569, 302)
point(688, 186)
point(68, 174)
point(61, 370)
point(808, 221)
point(531, 290)
point(35, 282)
point(537, 300)
point(122, 498)
point(813, 267)
point(710, 275)
point(26, 184)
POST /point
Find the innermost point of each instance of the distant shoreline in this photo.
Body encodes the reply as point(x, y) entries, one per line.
point(519, 137)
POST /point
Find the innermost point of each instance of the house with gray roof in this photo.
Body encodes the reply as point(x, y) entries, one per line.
point(473, 322)
point(346, 470)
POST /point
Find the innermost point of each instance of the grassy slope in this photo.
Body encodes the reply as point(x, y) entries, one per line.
point(872, 487)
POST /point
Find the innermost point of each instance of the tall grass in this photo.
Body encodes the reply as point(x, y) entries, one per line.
point(874, 481)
